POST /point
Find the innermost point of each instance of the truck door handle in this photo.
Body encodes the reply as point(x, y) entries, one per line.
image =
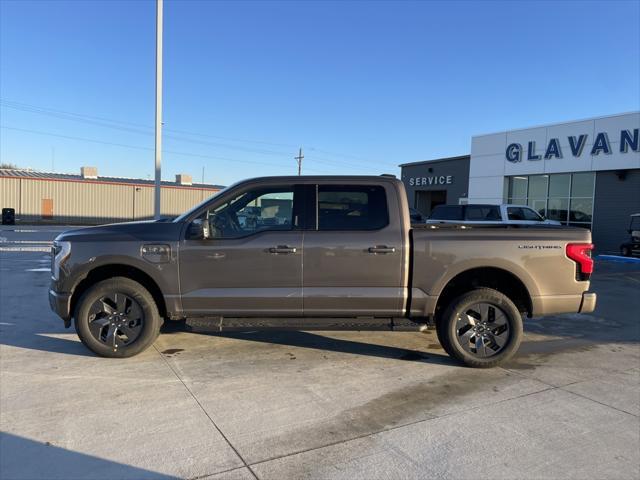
point(282, 249)
point(382, 249)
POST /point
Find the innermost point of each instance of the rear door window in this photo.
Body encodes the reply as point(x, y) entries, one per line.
point(515, 213)
point(482, 213)
point(447, 212)
point(352, 207)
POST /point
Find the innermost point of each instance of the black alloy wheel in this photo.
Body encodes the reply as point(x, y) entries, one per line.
point(481, 328)
point(116, 319)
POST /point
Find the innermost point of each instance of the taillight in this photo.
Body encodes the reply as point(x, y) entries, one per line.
point(581, 254)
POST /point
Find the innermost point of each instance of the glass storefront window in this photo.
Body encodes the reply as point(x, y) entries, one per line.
point(559, 185)
point(581, 209)
point(518, 187)
point(582, 184)
point(539, 205)
point(558, 209)
point(538, 186)
point(537, 195)
point(565, 197)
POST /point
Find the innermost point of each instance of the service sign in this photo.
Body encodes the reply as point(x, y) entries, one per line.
point(433, 180)
point(629, 141)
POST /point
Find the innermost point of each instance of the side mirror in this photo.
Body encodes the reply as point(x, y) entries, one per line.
point(198, 229)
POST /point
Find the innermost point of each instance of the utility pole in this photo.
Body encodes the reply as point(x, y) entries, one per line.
point(159, 5)
point(299, 158)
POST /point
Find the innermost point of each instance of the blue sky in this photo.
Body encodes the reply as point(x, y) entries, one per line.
point(361, 86)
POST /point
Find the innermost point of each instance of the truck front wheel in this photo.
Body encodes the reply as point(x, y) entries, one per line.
point(481, 328)
point(117, 318)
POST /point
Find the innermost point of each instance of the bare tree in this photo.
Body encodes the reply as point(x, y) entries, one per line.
point(9, 166)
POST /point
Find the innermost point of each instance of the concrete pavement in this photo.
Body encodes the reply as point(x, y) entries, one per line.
point(275, 405)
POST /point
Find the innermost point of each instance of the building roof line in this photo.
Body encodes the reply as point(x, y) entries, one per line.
point(435, 160)
point(556, 124)
point(38, 175)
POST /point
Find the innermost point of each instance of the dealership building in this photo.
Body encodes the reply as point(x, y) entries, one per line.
point(583, 173)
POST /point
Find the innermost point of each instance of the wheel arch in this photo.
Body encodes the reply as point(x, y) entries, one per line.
point(495, 278)
point(104, 272)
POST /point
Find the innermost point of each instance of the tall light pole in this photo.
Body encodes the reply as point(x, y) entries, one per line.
point(158, 107)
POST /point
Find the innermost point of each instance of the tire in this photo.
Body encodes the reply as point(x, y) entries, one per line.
point(480, 336)
point(117, 318)
point(625, 251)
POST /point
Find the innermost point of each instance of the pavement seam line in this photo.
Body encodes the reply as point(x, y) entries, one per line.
point(216, 473)
point(207, 414)
point(396, 427)
point(563, 388)
point(599, 403)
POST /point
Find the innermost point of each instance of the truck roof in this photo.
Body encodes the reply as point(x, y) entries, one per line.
point(293, 179)
point(320, 178)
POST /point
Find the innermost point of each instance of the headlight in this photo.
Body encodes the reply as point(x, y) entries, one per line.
point(59, 254)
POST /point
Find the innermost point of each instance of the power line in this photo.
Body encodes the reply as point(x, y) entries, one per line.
point(341, 155)
point(340, 163)
point(137, 147)
point(44, 110)
point(13, 104)
point(113, 123)
point(65, 116)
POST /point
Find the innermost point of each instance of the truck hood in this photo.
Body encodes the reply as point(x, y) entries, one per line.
point(146, 231)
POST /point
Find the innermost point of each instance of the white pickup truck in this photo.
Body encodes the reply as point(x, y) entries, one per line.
point(488, 214)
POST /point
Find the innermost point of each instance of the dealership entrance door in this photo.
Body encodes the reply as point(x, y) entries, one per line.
point(426, 201)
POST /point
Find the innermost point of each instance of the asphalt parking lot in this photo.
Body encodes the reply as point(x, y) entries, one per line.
point(369, 405)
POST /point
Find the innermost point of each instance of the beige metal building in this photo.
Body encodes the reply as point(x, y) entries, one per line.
point(40, 197)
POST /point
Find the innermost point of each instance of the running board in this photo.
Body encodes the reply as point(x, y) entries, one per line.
point(226, 324)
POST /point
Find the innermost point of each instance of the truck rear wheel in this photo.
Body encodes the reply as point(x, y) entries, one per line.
point(117, 318)
point(481, 328)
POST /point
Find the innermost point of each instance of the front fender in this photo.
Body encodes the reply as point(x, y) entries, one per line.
point(83, 261)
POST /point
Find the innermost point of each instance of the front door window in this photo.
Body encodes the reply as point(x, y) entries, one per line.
point(252, 212)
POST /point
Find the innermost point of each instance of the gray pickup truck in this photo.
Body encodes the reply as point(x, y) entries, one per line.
point(320, 253)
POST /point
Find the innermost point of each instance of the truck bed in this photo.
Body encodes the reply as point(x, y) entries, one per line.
point(534, 255)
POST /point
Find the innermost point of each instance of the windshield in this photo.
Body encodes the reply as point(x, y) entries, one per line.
point(183, 217)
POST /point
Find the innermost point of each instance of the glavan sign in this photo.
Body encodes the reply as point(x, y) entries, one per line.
point(629, 140)
point(433, 180)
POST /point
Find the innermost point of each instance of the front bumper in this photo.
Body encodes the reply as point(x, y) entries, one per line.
point(60, 303)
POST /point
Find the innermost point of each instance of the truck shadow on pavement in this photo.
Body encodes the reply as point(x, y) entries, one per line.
point(305, 339)
point(43, 339)
point(24, 458)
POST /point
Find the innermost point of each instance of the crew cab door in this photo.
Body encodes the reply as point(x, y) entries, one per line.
point(250, 261)
point(354, 256)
